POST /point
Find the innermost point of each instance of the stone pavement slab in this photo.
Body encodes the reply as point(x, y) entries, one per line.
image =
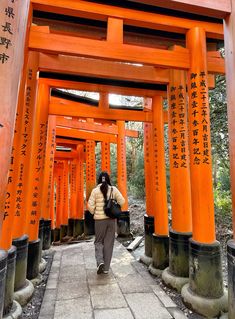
point(121, 313)
point(147, 305)
point(79, 308)
point(75, 291)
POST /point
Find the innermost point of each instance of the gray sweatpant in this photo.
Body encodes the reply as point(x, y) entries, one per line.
point(104, 241)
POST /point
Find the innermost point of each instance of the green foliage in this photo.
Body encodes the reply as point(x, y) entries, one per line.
point(223, 202)
point(222, 193)
point(219, 122)
point(135, 162)
point(219, 141)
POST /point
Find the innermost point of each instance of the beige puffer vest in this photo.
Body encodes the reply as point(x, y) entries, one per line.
point(96, 201)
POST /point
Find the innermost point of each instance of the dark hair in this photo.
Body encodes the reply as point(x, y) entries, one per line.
point(104, 180)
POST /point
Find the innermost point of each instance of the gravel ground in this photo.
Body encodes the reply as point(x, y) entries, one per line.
point(137, 211)
point(32, 309)
point(223, 234)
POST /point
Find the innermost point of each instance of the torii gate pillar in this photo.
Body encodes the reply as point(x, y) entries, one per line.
point(13, 21)
point(90, 183)
point(204, 293)
point(146, 258)
point(79, 216)
point(160, 241)
point(123, 223)
point(229, 33)
point(177, 274)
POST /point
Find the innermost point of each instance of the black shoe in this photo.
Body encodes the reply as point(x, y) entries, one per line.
point(100, 268)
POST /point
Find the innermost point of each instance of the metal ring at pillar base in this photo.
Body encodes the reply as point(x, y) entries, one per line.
point(231, 278)
point(70, 227)
point(89, 223)
point(46, 234)
point(78, 228)
point(63, 232)
point(160, 252)
point(33, 259)
point(21, 261)
point(123, 224)
point(40, 236)
point(205, 269)
point(56, 233)
point(3, 272)
point(179, 253)
point(148, 233)
point(10, 280)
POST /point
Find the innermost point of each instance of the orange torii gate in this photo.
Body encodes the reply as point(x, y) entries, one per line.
point(75, 133)
point(162, 229)
point(194, 59)
point(79, 134)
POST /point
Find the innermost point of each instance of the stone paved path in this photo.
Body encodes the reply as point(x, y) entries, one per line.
point(75, 291)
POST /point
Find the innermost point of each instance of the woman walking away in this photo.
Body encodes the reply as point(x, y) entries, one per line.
point(104, 226)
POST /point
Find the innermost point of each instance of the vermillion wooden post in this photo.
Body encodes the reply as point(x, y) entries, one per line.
point(105, 146)
point(90, 167)
point(105, 157)
point(55, 212)
point(123, 223)
point(52, 206)
point(6, 233)
point(28, 105)
point(13, 21)
point(65, 211)
point(90, 182)
point(205, 277)
point(229, 24)
point(59, 197)
point(177, 273)
point(79, 215)
point(73, 196)
point(34, 183)
point(148, 218)
point(48, 180)
point(160, 244)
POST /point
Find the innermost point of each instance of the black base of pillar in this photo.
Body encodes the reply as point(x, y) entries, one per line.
point(46, 234)
point(40, 236)
point(63, 231)
point(123, 224)
point(179, 253)
point(10, 279)
point(160, 251)
point(78, 229)
point(205, 275)
point(56, 233)
point(70, 227)
point(33, 259)
point(21, 261)
point(3, 272)
point(89, 223)
point(204, 293)
point(148, 233)
point(231, 278)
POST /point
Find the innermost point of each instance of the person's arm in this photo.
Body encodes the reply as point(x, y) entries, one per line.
point(91, 202)
point(119, 198)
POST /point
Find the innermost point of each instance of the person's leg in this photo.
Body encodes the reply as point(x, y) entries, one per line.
point(109, 242)
point(100, 230)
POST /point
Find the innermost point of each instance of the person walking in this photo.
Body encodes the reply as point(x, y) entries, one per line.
point(104, 226)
